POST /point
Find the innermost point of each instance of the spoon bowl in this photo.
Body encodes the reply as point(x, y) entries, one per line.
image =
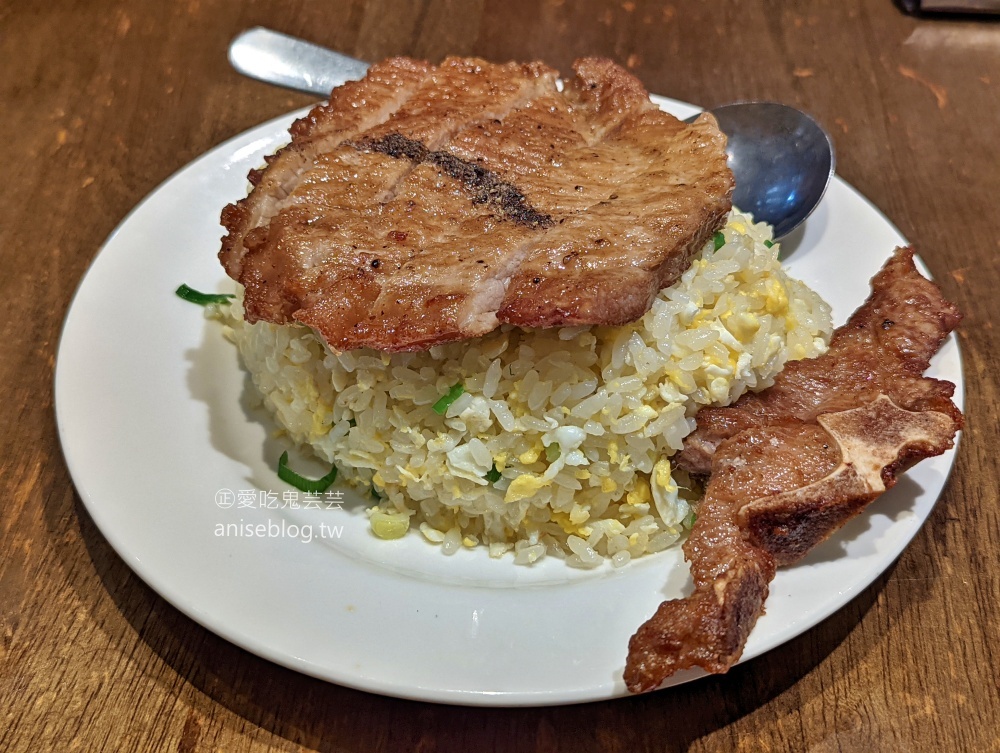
point(782, 160)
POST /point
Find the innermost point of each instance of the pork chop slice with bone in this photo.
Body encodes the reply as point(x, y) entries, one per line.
point(791, 464)
point(427, 204)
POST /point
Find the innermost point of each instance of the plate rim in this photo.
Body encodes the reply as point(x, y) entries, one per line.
point(300, 664)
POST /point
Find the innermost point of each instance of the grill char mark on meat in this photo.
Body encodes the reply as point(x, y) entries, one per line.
point(462, 270)
point(782, 483)
point(308, 258)
point(382, 92)
point(486, 186)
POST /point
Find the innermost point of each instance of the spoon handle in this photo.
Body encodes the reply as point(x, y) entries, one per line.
point(279, 59)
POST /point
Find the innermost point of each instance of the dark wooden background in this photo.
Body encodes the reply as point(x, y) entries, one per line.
point(100, 102)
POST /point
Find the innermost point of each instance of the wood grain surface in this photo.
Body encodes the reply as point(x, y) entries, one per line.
point(100, 102)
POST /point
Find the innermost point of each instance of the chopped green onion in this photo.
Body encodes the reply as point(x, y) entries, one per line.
point(769, 243)
point(552, 452)
point(302, 483)
point(202, 299)
point(493, 475)
point(442, 405)
point(690, 519)
point(719, 240)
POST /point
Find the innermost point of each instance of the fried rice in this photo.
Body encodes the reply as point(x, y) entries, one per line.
point(551, 442)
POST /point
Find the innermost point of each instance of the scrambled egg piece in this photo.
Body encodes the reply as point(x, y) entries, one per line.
point(562, 520)
point(529, 457)
point(777, 299)
point(387, 525)
point(743, 326)
point(524, 487)
point(669, 506)
point(641, 494)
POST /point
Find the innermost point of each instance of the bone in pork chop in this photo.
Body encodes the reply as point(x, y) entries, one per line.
point(884, 348)
point(426, 204)
point(792, 464)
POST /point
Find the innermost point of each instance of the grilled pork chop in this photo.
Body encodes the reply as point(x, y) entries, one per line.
point(428, 204)
point(792, 464)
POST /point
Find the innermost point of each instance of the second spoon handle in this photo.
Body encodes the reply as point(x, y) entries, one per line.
point(293, 63)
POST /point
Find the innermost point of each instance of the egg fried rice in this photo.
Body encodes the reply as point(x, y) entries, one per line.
point(549, 442)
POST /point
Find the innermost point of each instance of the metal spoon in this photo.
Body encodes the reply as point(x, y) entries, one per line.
point(781, 158)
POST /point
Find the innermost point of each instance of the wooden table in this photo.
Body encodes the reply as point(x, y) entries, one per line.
point(100, 102)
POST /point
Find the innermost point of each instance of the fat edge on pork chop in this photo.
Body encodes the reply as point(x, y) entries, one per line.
point(427, 204)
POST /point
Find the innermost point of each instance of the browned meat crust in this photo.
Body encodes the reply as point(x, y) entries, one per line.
point(429, 204)
point(792, 464)
point(884, 348)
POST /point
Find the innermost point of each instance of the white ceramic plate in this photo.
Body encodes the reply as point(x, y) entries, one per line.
point(150, 406)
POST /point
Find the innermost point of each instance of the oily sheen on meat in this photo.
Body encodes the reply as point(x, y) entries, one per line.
point(427, 204)
point(792, 464)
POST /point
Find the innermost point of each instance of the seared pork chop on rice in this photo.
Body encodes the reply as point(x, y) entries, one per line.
point(498, 301)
